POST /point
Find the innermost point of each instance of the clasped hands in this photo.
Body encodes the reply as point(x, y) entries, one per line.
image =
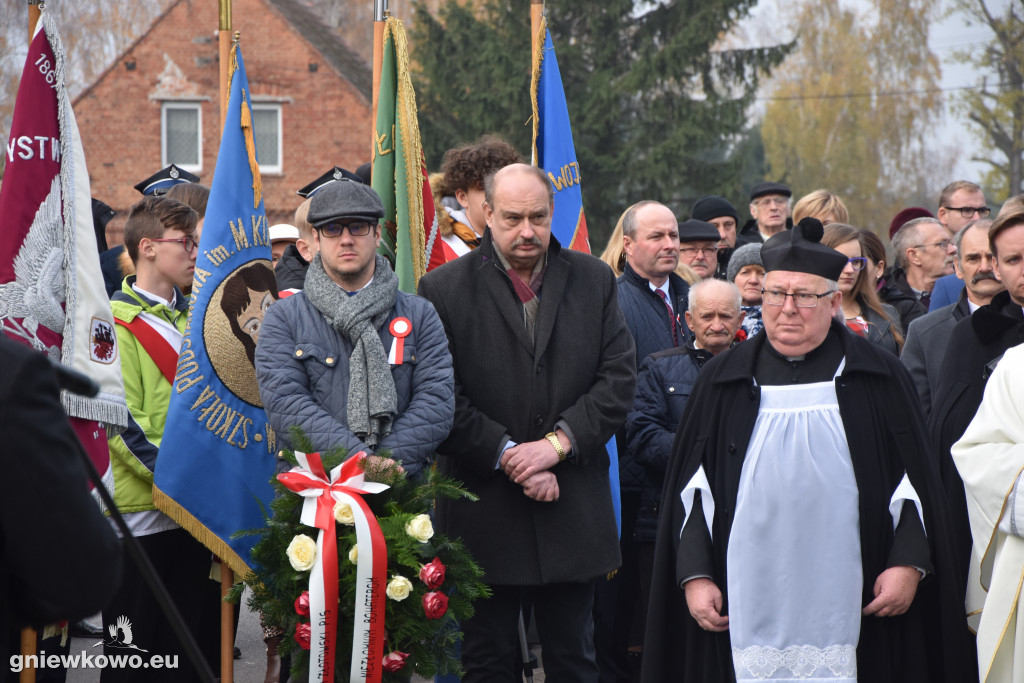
point(894, 590)
point(529, 464)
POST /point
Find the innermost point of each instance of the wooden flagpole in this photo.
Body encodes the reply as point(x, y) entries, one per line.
point(28, 635)
point(536, 10)
point(227, 612)
point(380, 11)
point(33, 17)
point(224, 44)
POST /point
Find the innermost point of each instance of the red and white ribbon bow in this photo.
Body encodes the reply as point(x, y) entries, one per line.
point(346, 484)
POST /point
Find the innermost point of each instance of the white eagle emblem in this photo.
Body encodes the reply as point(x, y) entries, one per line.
point(37, 293)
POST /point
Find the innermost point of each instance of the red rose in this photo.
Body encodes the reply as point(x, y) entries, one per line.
point(432, 574)
point(302, 632)
point(435, 604)
point(302, 604)
point(741, 335)
point(395, 661)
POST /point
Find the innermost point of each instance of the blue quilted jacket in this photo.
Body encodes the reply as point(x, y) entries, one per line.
point(302, 368)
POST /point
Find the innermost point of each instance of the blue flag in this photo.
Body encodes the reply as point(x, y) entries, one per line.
point(217, 455)
point(553, 151)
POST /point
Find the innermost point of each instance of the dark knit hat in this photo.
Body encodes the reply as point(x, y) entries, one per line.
point(344, 199)
point(712, 206)
point(907, 215)
point(336, 173)
point(800, 250)
point(747, 255)
point(698, 231)
point(770, 188)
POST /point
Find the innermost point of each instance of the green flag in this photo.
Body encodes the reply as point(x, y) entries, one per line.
point(399, 173)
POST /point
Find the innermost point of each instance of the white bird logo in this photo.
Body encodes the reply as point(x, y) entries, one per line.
point(121, 634)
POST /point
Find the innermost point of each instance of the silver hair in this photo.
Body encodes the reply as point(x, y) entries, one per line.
point(958, 239)
point(907, 237)
point(734, 293)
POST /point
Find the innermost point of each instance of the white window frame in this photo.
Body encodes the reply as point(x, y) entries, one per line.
point(278, 168)
point(193, 106)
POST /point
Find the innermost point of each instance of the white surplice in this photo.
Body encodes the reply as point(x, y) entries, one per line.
point(795, 575)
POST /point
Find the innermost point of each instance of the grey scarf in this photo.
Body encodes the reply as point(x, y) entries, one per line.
point(372, 401)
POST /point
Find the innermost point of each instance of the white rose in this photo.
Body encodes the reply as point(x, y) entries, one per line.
point(399, 588)
point(343, 513)
point(302, 553)
point(420, 528)
point(353, 555)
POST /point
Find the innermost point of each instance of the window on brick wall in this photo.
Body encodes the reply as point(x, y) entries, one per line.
point(181, 138)
point(266, 125)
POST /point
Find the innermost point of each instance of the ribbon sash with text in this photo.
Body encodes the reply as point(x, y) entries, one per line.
point(346, 484)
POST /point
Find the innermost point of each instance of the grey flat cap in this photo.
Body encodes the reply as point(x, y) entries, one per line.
point(345, 199)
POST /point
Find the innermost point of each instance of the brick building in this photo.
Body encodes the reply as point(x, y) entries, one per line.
point(159, 103)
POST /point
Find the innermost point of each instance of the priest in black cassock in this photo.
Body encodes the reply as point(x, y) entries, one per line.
point(803, 532)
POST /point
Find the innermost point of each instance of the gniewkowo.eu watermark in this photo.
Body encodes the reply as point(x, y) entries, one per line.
point(86, 660)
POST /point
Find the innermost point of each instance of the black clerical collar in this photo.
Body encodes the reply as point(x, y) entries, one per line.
point(817, 365)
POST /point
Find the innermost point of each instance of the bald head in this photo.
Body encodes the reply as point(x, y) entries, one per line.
point(714, 314)
point(504, 174)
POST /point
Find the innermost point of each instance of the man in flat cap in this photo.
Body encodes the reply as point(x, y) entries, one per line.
point(720, 213)
point(698, 247)
point(801, 509)
point(350, 360)
point(770, 207)
point(290, 269)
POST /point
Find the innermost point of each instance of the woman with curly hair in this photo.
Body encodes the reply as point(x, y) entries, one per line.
point(864, 312)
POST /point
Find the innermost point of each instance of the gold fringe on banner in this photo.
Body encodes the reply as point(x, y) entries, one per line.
point(412, 149)
point(201, 533)
point(538, 59)
point(250, 150)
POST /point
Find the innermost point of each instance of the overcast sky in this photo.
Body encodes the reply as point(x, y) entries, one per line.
point(946, 36)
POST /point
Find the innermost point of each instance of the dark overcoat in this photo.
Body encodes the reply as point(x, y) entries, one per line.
point(886, 436)
point(580, 370)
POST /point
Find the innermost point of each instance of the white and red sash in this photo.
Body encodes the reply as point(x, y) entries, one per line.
point(346, 484)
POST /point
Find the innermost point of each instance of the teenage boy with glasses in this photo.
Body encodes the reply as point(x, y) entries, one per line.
point(150, 310)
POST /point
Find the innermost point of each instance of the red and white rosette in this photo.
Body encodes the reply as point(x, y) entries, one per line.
point(346, 484)
point(399, 329)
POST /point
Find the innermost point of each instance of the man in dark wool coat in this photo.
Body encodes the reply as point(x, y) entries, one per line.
point(803, 532)
point(544, 375)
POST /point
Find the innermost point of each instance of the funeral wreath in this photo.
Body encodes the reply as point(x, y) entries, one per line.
point(352, 569)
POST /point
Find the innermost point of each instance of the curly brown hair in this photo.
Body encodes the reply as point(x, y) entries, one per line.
point(465, 167)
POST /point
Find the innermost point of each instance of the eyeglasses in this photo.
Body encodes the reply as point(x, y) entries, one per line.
point(774, 297)
point(692, 251)
point(189, 243)
point(777, 201)
point(944, 245)
point(858, 262)
point(355, 228)
point(968, 211)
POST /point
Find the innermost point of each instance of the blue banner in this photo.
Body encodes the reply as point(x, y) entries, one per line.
point(554, 150)
point(217, 455)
